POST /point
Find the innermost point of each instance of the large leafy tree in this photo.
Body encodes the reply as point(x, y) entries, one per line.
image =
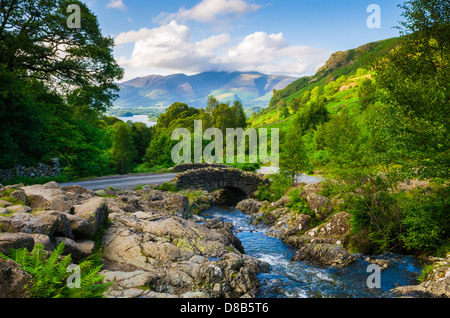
point(36, 42)
point(293, 157)
point(54, 82)
point(123, 151)
point(414, 81)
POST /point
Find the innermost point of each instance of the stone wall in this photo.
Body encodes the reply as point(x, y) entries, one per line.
point(211, 179)
point(51, 169)
point(194, 166)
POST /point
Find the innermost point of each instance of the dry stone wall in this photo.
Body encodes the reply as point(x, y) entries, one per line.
point(51, 169)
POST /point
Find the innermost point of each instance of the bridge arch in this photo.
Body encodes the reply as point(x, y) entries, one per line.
point(214, 178)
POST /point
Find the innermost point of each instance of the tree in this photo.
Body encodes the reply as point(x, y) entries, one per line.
point(178, 115)
point(212, 103)
point(238, 113)
point(123, 151)
point(414, 81)
point(293, 156)
point(159, 152)
point(295, 104)
point(367, 94)
point(36, 42)
point(312, 115)
point(142, 136)
point(284, 112)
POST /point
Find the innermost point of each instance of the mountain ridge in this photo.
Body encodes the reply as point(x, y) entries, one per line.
point(251, 88)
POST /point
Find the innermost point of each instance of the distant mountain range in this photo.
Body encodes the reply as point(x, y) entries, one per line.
point(155, 91)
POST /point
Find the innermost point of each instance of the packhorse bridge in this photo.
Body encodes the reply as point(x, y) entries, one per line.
point(215, 177)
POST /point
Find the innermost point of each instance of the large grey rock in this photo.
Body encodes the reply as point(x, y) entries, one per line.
point(16, 241)
point(249, 206)
point(335, 230)
point(436, 285)
point(95, 211)
point(176, 204)
point(13, 280)
point(182, 254)
point(64, 226)
point(79, 250)
point(27, 223)
point(20, 196)
point(79, 226)
point(324, 254)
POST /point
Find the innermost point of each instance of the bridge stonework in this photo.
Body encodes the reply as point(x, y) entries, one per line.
point(213, 178)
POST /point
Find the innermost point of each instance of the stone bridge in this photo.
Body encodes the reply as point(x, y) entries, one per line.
point(215, 178)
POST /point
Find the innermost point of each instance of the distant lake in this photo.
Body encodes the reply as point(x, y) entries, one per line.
point(139, 119)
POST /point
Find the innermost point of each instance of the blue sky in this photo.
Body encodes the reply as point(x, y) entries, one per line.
point(291, 37)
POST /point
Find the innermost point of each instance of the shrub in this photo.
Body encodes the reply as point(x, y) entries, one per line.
point(299, 204)
point(167, 186)
point(50, 274)
point(426, 223)
point(278, 186)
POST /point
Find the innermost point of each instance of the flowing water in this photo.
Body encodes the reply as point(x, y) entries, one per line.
point(288, 279)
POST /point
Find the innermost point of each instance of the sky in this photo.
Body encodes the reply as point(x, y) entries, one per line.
point(279, 37)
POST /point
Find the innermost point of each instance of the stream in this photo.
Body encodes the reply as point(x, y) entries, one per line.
point(288, 279)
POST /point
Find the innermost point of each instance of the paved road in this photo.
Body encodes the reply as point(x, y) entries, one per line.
point(128, 182)
point(300, 178)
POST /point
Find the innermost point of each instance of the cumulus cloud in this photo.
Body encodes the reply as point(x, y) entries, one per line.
point(209, 10)
point(117, 4)
point(170, 47)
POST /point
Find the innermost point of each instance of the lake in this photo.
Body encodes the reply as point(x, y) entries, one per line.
point(138, 119)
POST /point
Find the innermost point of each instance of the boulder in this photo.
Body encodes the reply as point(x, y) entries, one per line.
point(336, 229)
point(20, 196)
point(176, 204)
point(79, 250)
point(321, 205)
point(181, 255)
point(95, 211)
point(27, 223)
point(436, 284)
point(16, 241)
point(13, 280)
point(44, 240)
point(324, 254)
point(51, 196)
point(18, 209)
point(249, 206)
point(78, 225)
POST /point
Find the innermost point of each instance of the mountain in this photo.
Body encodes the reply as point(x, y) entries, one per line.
point(339, 64)
point(155, 91)
point(338, 81)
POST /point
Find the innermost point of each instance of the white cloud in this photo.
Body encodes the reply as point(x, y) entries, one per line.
point(270, 53)
point(117, 4)
point(170, 47)
point(209, 10)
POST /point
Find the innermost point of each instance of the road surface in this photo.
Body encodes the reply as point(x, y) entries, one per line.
point(302, 178)
point(128, 182)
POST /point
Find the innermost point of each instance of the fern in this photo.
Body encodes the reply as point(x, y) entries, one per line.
point(49, 273)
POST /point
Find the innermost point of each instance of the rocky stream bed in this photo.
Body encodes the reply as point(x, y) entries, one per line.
point(160, 244)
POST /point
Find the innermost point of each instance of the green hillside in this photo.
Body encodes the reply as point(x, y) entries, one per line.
point(338, 81)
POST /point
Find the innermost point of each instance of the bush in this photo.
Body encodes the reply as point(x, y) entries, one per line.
point(299, 204)
point(426, 223)
point(278, 186)
point(50, 274)
point(167, 187)
point(251, 167)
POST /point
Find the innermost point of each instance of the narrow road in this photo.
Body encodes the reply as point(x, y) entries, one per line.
point(127, 182)
point(300, 178)
point(130, 182)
